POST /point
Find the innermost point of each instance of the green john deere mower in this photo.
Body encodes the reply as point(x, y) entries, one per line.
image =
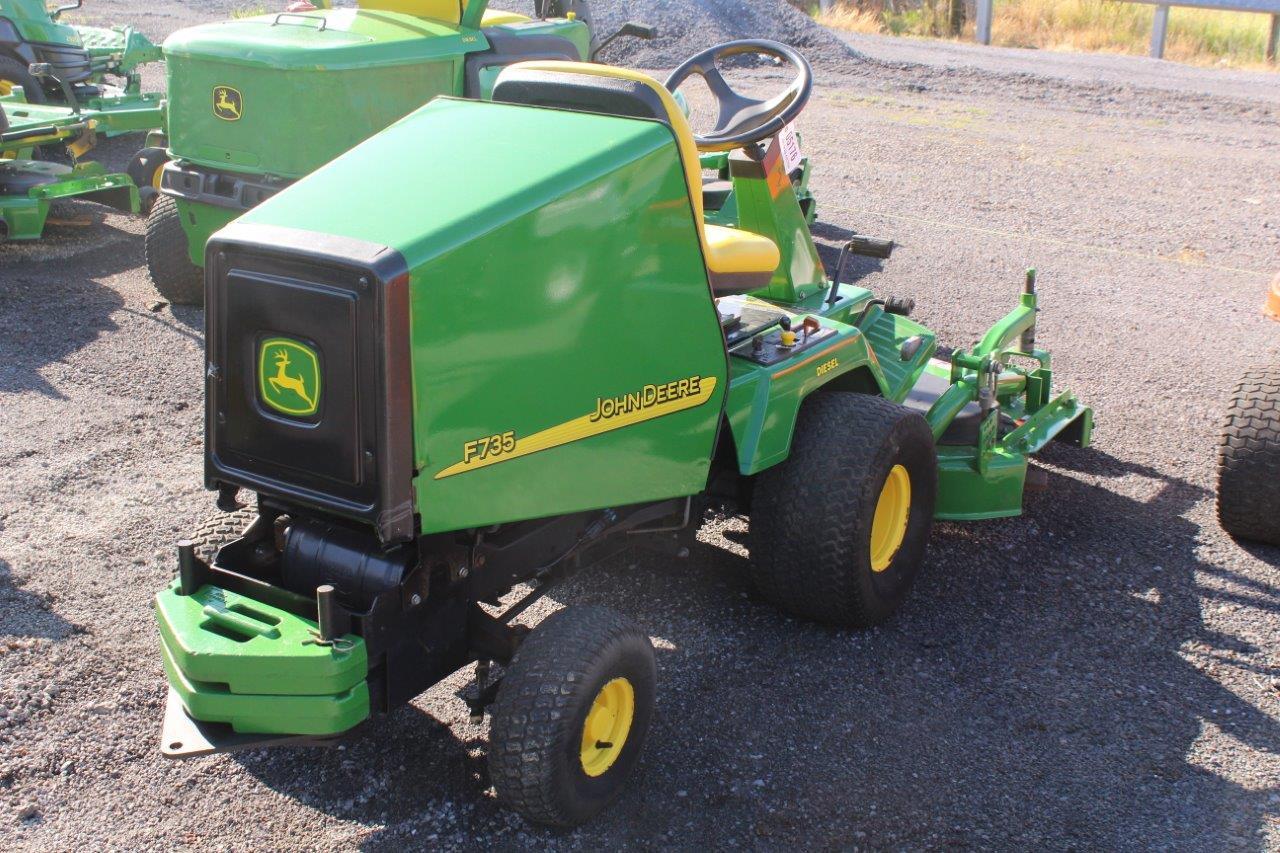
point(257, 103)
point(490, 370)
point(94, 67)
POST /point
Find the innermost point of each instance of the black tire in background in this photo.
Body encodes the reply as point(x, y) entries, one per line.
point(1249, 459)
point(813, 516)
point(165, 245)
point(144, 170)
point(537, 736)
point(15, 71)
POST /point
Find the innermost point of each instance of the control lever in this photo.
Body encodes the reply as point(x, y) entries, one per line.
point(870, 247)
point(867, 247)
point(44, 71)
point(631, 29)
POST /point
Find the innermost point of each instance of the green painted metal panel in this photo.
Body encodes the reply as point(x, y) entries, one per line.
point(765, 401)
point(324, 40)
point(221, 637)
point(779, 217)
point(886, 334)
point(566, 351)
point(200, 221)
point(31, 17)
point(279, 132)
point(298, 96)
point(965, 494)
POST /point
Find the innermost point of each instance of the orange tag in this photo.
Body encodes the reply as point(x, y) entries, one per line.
point(774, 170)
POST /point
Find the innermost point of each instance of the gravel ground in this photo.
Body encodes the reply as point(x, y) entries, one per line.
point(1100, 673)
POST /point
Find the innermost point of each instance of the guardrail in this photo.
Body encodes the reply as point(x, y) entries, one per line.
point(1160, 26)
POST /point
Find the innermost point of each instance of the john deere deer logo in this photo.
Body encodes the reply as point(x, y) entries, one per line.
point(228, 103)
point(289, 376)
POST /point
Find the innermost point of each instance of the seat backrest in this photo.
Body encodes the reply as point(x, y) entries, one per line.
point(588, 87)
point(449, 11)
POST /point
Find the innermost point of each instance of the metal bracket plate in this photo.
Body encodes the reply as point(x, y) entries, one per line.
point(183, 737)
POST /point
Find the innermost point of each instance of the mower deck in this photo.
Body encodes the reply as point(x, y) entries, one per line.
point(29, 187)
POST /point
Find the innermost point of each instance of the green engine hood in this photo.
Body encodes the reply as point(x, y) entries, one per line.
point(334, 39)
point(489, 164)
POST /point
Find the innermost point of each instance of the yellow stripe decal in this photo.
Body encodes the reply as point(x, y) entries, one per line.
point(652, 401)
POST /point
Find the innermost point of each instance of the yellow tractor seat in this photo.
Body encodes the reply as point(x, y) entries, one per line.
point(449, 11)
point(737, 261)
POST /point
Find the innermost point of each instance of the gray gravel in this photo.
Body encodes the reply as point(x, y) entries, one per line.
point(1098, 674)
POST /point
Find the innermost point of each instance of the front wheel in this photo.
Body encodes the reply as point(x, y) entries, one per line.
point(838, 531)
point(571, 715)
point(168, 260)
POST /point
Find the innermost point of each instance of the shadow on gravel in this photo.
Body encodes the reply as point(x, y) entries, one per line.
point(396, 767)
point(45, 317)
point(1108, 670)
point(191, 317)
point(829, 240)
point(182, 323)
point(1269, 554)
point(26, 614)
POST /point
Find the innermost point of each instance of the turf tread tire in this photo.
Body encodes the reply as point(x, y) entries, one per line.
point(1249, 459)
point(168, 262)
point(537, 719)
point(220, 529)
point(811, 515)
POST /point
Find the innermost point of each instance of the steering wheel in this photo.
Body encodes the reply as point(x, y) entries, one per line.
point(744, 120)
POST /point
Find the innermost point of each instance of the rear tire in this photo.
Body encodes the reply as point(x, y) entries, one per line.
point(818, 550)
point(1249, 459)
point(583, 664)
point(168, 262)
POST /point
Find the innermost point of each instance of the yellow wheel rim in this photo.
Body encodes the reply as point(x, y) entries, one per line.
point(893, 511)
point(157, 177)
point(6, 87)
point(605, 731)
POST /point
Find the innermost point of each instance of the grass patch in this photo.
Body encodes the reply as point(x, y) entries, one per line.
point(1198, 36)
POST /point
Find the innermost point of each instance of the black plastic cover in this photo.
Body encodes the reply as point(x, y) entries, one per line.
point(348, 301)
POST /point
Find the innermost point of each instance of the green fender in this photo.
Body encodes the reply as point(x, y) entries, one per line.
point(764, 402)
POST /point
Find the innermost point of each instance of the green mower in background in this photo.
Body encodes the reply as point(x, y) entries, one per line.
point(257, 103)
point(451, 385)
point(96, 68)
point(29, 186)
